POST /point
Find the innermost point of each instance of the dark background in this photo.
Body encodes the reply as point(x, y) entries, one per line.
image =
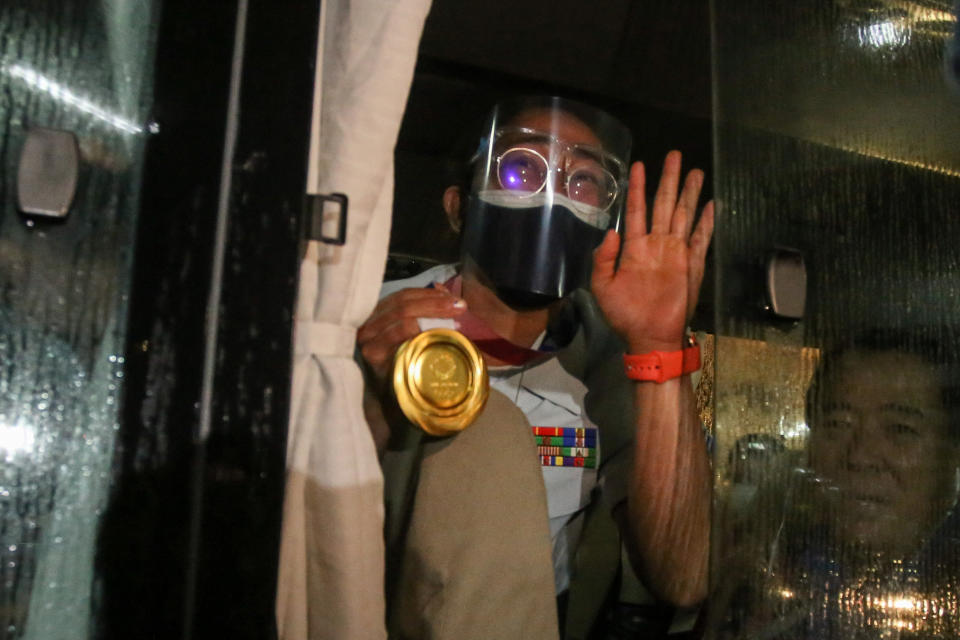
point(812, 137)
point(647, 63)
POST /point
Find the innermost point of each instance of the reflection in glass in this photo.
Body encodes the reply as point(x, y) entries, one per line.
point(861, 538)
point(40, 424)
point(78, 66)
point(63, 94)
point(837, 136)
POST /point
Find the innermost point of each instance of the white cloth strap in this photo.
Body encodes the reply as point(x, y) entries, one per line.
point(323, 339)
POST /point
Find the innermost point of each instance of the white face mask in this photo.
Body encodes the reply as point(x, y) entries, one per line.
point(511, 200)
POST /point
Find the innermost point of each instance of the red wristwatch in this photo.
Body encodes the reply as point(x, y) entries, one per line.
point(660, 366)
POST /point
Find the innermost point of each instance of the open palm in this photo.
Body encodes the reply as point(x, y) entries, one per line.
point(650, 296)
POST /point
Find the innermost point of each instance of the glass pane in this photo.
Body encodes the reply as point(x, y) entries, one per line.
point(82, 66)
point(838, 147)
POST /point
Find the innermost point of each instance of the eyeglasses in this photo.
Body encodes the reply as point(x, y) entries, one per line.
point(529, 158)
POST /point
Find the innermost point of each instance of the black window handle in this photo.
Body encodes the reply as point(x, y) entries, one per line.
point(317, 218)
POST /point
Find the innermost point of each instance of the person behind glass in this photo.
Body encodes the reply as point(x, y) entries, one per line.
point(885, 439)
point(873, 520)
point(549, 186)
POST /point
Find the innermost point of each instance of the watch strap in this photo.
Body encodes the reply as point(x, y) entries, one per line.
point(660, 366)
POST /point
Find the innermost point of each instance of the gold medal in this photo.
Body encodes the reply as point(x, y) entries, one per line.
point(440, 381)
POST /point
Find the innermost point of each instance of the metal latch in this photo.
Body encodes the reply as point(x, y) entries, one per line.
point(47, 172)
point(786, 283)
point(327, 218)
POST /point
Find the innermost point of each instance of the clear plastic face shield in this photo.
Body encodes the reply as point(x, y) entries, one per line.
point(550, 178)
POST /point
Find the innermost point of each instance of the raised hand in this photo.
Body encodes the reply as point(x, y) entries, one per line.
point(650, 296)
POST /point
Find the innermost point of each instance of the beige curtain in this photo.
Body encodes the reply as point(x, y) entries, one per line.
point(332, 552)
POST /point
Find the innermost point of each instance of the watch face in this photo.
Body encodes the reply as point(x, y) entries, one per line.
point(440, 381)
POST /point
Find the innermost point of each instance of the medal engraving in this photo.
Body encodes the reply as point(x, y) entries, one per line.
point(444, 377)
point(440, 381)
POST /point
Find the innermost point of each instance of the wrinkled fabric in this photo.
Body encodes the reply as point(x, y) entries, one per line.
point(332, 551)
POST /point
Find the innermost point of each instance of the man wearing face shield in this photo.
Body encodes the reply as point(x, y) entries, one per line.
point(487, 532)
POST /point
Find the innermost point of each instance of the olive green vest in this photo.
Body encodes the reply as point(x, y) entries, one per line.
point(469, 551)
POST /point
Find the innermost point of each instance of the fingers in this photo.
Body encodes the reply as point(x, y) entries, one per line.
point(635, 224)
point(700, 240)
point(378, 351)
point(687, 204)
point(665, 202)
point(605, 260)
point(671, 214)
point(696, 257)
point(394, 320)
point(410, 303)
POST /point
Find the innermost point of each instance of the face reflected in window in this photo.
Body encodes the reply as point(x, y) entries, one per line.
point(880, 438)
